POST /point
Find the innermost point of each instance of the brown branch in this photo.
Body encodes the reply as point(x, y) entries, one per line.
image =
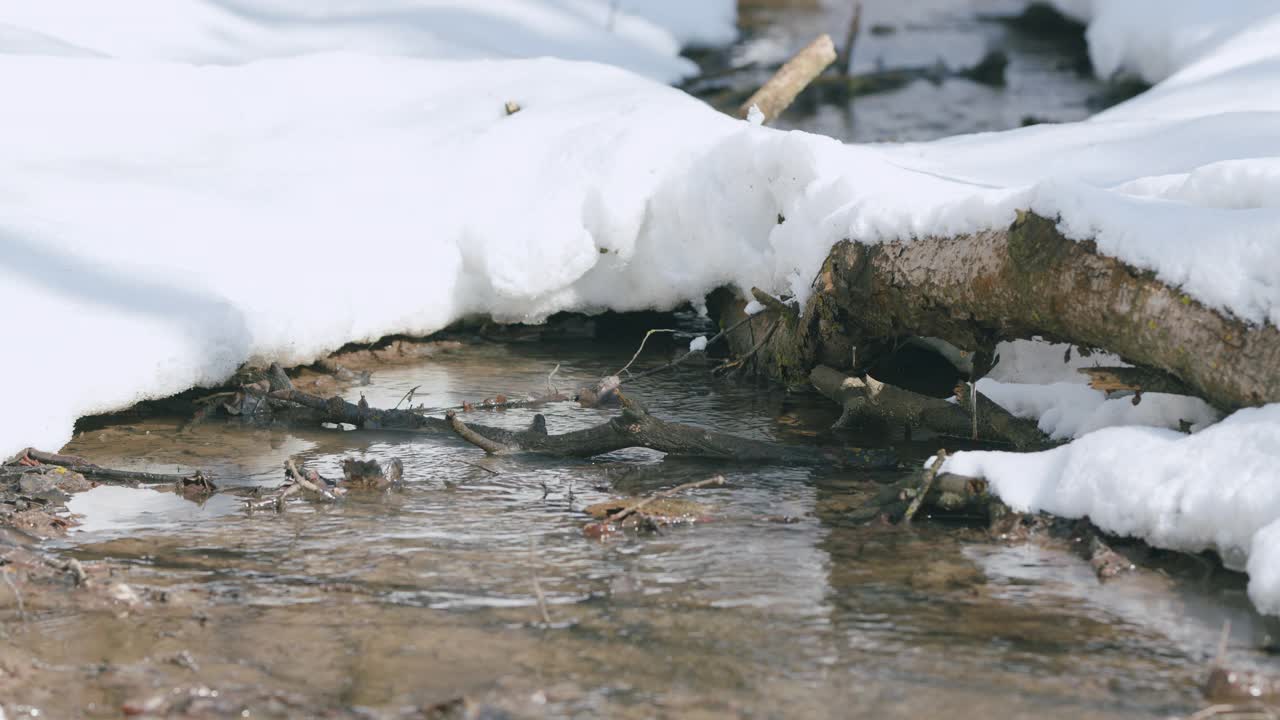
point(866, 400)
point(632, 509)
point(851, 39)
point(974, 290)
point(491, 447)
point(713, 340)
point(929, 476)
point(781, 90)
point(90, 470)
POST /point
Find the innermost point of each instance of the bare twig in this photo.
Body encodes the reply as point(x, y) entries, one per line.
point(738, 362)
point(627, 368)
point(629, 510)
point(291, 470)
point(493, 447)
point(713, 340)
point(551, 388)
point(408, 397)
point(88, 469)
point(478, 466)
point(781, 90)
point(925, 486)
point(851, 39)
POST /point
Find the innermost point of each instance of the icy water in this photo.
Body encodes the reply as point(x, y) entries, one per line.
point(386, 602)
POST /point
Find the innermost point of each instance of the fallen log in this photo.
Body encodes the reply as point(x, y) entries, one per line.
point(1019, 282)
point(635, 427)
point(866, 401)
point(131, 477)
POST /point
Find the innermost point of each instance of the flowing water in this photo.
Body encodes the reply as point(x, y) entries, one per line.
point(776, 605)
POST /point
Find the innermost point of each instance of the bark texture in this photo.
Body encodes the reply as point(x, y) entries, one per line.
point(1028, 279)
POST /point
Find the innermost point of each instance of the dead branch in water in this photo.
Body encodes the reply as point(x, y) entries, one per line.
point(629, 510)
point(90, 470)
point(711, 341)
point(866, 400)
point(781, 90)
point(635, 427)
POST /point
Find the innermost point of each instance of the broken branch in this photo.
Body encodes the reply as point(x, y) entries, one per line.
point(781, 90)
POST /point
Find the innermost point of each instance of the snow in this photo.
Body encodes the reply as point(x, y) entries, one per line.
point(190, 184)
point(1215, 489)
point(698, 344)
point(645, 37)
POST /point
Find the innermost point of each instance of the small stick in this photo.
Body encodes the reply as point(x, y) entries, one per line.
point(551, 388)
point(925, 486)
point(714, 339)
point(292, 471)
point(490, 446)
point(88, 469)
point(626, 368)
point(629, 510)
point(407, 396)
point(781, 90)
point(973, 401)
point(851, 39)
point(755, 349)
point(478, 466)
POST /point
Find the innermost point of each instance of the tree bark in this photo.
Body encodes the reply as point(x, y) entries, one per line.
point(1026, 280)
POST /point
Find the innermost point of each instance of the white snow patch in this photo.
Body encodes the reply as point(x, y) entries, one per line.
point(698, 344)
point(642, 36)
point(1215, 489)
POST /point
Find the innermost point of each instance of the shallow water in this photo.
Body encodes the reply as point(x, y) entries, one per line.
point(1047, 79)
point(383, 602)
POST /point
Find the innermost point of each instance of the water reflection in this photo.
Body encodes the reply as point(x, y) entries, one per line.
point(412, 596)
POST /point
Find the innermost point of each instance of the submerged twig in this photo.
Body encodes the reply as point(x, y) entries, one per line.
point(629, 510)
point(493, 447)
point(88, 469)
point(925, 487)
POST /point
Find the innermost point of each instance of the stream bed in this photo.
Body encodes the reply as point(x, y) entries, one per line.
point(775, 605)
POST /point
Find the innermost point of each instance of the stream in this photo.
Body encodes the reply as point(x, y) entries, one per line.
point(773, 605)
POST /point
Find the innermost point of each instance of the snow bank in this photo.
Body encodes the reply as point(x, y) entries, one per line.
point(1213, 489)
point(192, 183)
point(645, 37)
